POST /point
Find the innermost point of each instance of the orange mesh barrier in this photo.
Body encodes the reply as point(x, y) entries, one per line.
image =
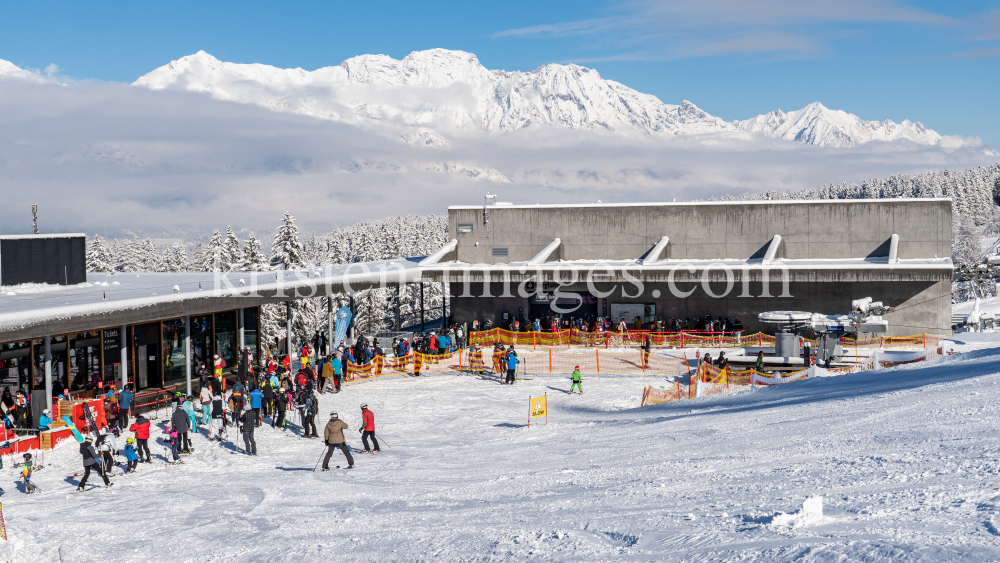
point(654, 396)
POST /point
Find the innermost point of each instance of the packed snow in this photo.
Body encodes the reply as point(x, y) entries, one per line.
point(889, 465)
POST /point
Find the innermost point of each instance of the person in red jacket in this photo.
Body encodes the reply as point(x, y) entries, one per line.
point(141, 429)
point(368, 428)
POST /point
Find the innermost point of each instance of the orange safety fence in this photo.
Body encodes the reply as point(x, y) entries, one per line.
point(685, 339)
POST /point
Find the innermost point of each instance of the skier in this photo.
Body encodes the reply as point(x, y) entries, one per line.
point(124, 406)
point(334, 438)
point(338, 375)
point(497, 359)
point(368, 428)
point(511, 365)
point(255, 397)
point(141, 430)
point(179, 422)
point(130, 456)
point(760, 362)
point(249, 423)
point(577, 380)
point(90, 462)
point(173, 439)
point(218, 418)
point(280, 405)
point(29, 487)
point(311, 409)
point(205, 396)
point(268, 401)
point(112, 411)
point(188, 406)
point(109, 461)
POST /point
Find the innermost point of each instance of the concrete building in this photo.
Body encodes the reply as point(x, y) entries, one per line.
point(686, 260)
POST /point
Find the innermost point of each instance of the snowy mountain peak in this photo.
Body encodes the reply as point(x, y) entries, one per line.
point(440, 90)
point(11, 70)
point(817, 125)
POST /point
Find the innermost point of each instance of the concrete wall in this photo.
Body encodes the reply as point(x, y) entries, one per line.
point(809, 229)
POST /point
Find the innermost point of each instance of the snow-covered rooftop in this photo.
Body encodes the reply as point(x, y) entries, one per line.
point(36, 310)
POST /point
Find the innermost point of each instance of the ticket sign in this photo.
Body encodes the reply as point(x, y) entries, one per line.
point(538, 408)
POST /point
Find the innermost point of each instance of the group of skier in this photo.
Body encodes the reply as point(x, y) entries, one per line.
point(267, 393)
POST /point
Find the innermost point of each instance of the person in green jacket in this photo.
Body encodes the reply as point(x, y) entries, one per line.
point(760, 362)
point(577, 379)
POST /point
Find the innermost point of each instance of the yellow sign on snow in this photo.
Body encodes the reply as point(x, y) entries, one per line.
point(537, 407)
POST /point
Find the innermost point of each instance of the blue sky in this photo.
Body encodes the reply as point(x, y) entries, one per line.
point(934, 62)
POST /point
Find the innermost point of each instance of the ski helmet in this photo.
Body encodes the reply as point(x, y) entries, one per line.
point(333, 415)
point(128, 440)
point(27, 457)
point(364, 405)
point(46, 412)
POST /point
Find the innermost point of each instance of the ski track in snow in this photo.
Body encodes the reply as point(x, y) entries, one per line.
point(905, 458)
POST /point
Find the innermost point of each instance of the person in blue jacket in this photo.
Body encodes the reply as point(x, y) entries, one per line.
point(255, 396)
point(44, 422)
point(124, 405)
point(511, 368)
point(131, 456)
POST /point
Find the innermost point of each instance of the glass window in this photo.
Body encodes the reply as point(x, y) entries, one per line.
point(173, 352)
point(85, 360)
point(59, 373)
point(15, 365)
point(250, 319)
point(225, 338)
point(201, 344)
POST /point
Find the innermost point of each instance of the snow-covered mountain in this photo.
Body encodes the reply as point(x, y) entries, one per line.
point(442, 90)
point(430, 95)
point(817, 125)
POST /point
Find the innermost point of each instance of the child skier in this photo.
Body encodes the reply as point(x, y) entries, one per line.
point(172, 439)
point(29, 487)
point(577, 381)
point(131, 456)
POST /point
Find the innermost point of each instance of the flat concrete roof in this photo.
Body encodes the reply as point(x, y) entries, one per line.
point(692, 203)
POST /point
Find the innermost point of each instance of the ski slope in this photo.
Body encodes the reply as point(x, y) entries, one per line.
point(905, 460)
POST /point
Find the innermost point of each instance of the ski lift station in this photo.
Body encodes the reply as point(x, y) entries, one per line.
point(503, 262)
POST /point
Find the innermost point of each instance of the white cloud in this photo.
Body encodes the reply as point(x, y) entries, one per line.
point(96, 156)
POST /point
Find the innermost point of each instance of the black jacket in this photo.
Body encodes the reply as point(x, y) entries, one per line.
point(217, 410)
point(89, 454)
point(249, 420)
point(180, 421)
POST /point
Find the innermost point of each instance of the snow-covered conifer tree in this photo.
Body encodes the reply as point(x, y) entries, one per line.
point(287, 251)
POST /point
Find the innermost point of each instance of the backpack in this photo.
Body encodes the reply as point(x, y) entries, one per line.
point(313, 405)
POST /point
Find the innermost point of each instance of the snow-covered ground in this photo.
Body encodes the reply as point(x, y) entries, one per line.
point(906, 460)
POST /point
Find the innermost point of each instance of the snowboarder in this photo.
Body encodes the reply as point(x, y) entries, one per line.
point(90, 463)
point(249, 423)
point(368, 428)
point(141, 430)
point(577, 380)
point(334, 438)
point(130, 456)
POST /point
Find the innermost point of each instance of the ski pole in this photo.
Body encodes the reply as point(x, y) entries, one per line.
point(378, 438)
point(320, 459)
